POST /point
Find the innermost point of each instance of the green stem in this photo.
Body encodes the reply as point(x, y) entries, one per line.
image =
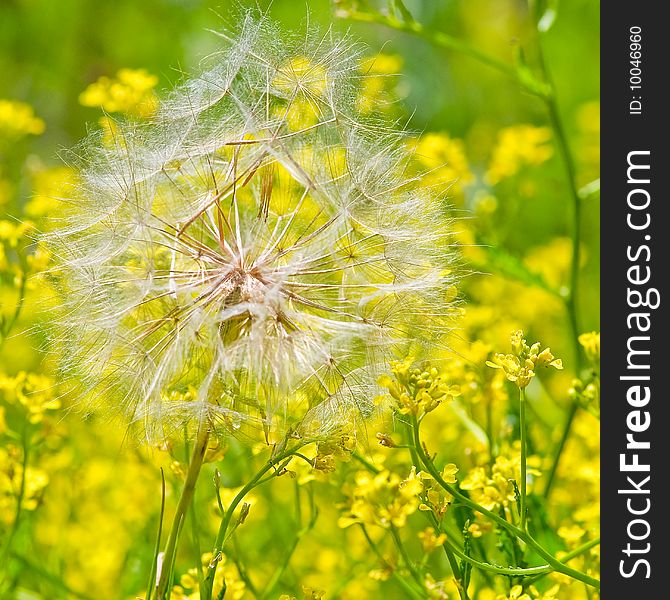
point(567, 428)
point(9, 325)
point(163, 584)
point(444, 40)
point(401, 580)
point(406, 559)
point(288, 554)
point(25, 443)
point(571, 302)
point(513, 571)
point(37, 571)
point(450, 554)
point(569, 556)
point(157, 546)
point(581, 549)
point(366, 463)
point(244, 576)
point(521, 534)
point(524, 452)
point(208, 584)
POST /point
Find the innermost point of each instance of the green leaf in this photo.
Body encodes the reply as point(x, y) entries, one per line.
point(503, 263)
point(398, 8)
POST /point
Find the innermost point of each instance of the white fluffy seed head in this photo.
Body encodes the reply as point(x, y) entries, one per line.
point(255, 253)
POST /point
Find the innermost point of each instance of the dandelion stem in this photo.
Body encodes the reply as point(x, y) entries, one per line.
point(199, 449)
point(154, 564)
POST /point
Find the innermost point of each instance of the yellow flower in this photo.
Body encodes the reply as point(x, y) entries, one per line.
point(17, 120)
point(475, 530)
point(13, 482)
point(12, 233)
point(35, 392)
point(445, 160)
point(130, 93)
point(591, 344)
point(449, 473)
point(382, 499)
point(301, 75)
point(416, 391)
point(520, 366)
point(429, 540)
point(49, 186)
point(517, 146)
point(378, 85)
point(571, 533)
point(498, 489)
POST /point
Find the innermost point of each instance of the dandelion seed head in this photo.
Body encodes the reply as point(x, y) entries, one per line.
point(252, 254)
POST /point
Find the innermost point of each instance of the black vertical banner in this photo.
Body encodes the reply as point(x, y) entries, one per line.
point(635, 265)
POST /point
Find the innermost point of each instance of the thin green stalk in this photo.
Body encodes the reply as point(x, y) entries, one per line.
point(571, 302)
point(401, 580)
point(570, 555)
point(9, 325)
point(567, 428)
point(366, 463)
point(406, 559)
point(444, 40)
point(163, 585)
point(521, 534)
point(524, 452)
point(451, 558)
point(510, 571)
point(581, 549)
point(288, 554)
point(152, 574)
point(25, 443)
point(258, 479)
point(244, 576)
point(36, 570)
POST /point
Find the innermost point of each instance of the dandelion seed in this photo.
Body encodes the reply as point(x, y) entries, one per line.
point(268, 266)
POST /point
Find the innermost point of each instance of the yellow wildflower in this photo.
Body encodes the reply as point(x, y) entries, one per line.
point(571, 534)
point(378, 86)
point(382, 499)
point(301, 75)
point(17, 120)
point(449, 473)
point(49, 186)
point(130, 93)
point(416, 391)
point(517, 146)
point(430, 541)
point(591, 344)
point(33, 391)
point(520, 367)
point(445, 160)
point(498, 489)
point(12, 233)
point(13, 483)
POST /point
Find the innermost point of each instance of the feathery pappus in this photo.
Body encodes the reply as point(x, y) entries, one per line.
point(255, 252)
